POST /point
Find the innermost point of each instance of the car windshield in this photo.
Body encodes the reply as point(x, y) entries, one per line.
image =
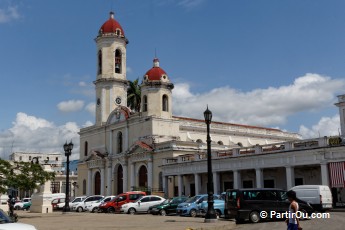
point(192, 199)
point(4, 218)
point(167, 201)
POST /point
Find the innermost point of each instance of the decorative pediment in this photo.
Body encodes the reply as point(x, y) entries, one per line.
point(121, 113)
point(96, 155)
point(139, 147)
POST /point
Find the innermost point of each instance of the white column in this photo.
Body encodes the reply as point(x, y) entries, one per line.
point(125, 177)
point(150, 174)
point(132, 175)
point(324, 174)
point(216, 188)
point(89, 182)
point(197, 183)
point(237, 179)
point(259, 178)
point(290, 177)
point(102, 181)
point(166, 186)
point(109, 177)
point(180, 184)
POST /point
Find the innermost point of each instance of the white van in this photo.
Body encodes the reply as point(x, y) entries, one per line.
point(318, 196)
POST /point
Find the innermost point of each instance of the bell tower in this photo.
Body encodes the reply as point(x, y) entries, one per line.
point(111, 82)
point(341, 106)
point(156, 92)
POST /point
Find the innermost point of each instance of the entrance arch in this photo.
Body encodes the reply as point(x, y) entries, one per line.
point(119, 179)
point(143, 176)
point(97, 183)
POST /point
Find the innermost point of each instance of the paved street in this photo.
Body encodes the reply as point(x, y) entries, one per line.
point(72, 221)
point(336, 222)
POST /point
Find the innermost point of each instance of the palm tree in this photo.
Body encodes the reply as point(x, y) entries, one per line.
point(134, 95)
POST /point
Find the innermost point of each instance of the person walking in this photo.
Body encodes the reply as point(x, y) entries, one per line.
point(292, 221)
point(11, 202)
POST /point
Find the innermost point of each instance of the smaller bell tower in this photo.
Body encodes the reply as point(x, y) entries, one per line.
point(111, 82)
point(156, 92)
point(341, 106)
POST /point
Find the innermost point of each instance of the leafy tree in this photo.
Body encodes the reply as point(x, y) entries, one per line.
point(134, 95)
point(22, 175)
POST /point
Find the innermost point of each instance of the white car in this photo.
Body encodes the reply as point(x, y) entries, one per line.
point(81, 206)
point(19, 205)
point(142, 204)
point(72, 203)
point(93, 207)
point(7, 224)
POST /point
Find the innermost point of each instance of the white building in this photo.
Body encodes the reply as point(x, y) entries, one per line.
point(55, 160)
point(125, 150)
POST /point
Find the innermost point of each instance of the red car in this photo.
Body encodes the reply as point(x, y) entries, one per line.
point(124, 198)
point(57, 201)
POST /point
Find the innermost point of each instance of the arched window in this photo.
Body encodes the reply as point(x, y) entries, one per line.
point(199, 141)
point(220, 143)
point(86, 146)
point(118, 60)
point(100, 62)
point(240, 144)
point(165, 105)
point(160, 180)
point(119, 142)
point(84, 187)
point(20, 158)
point(145, 103)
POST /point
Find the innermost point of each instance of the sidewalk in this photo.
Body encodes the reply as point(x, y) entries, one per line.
point(86, 221)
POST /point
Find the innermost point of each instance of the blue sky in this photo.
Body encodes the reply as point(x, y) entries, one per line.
point(269, 63)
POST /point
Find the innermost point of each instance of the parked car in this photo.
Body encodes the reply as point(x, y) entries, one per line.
point(191, 206)
point(7, 224)
point(19, 205)
point(243, 204)
point(81, 206)
point(57, 201)
point(142, 204)
point(116, 203)
point(94, 207)
point(72, 203)
point(27, 206)
point(319, 196)
point(218, 206)
point(167, 207)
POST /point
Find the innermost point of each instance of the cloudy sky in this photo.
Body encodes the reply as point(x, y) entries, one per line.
point(270, 63)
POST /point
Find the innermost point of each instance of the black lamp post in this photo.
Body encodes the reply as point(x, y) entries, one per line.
point(68, 150)
point(211, 214)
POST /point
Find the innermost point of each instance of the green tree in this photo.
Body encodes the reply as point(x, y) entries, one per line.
point(134, 95)
point(22, 175)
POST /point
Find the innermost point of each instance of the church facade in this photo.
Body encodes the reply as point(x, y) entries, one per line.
point(125, 150)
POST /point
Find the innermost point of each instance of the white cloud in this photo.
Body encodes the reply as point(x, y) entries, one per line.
point(82, 84)
point(70, 106)
point(91, 108)
point(190, 3)
point(129, 69)
point(266, 107)
point(9, 14)
point(87, 124)
point(32, 134)
point(327, 126)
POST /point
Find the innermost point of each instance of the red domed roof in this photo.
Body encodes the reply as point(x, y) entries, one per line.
point(111, 26)
point(156, 72)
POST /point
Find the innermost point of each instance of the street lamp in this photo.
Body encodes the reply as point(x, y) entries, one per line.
point(211, 214)
point(68, 150)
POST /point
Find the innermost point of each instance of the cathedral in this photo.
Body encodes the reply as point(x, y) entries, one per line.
point(125, 150)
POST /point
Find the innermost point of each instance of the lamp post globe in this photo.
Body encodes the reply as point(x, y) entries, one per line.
point(68, 150)
point(211, 215)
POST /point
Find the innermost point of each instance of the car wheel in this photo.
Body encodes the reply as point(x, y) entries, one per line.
point(17, 208)
point(95, 209)
point(111, 210)
point(163, 212)
point(192, 213)
point(303, 214)
point(254, 217)
point(79, 209)
point(132, 211)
